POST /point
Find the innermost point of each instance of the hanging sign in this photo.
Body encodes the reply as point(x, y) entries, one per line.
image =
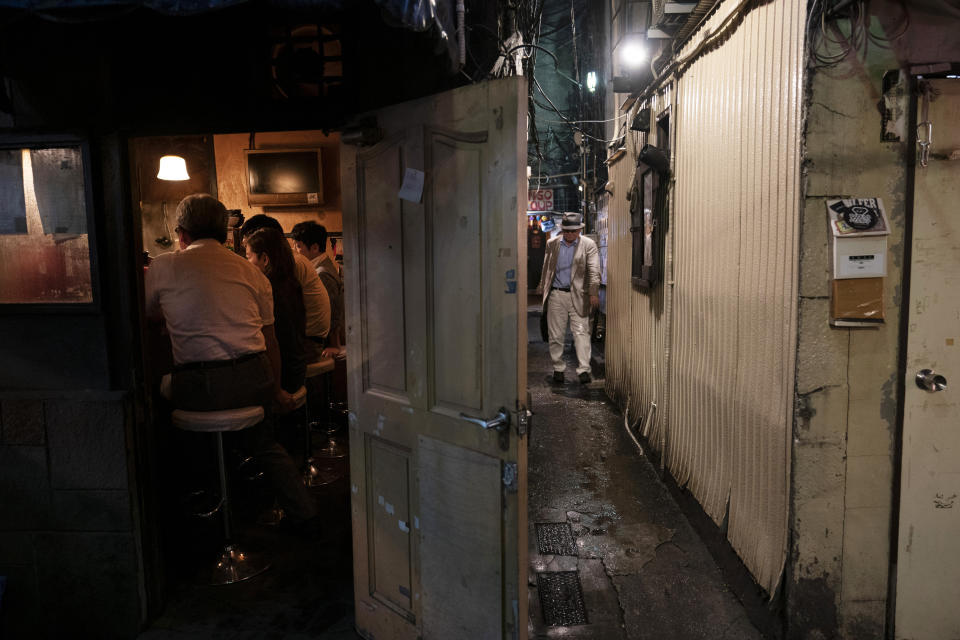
point(540, 200)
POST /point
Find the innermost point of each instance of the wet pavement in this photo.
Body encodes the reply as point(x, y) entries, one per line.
point(643, 571)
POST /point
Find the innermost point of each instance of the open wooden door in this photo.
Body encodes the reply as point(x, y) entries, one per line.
point(928, 557)
point(436, 331)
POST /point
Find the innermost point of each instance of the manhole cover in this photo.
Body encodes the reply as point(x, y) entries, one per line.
point(555, 538)
point(561, 598)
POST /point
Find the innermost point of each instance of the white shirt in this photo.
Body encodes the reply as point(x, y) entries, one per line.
point(215, 303)
point(316, 302)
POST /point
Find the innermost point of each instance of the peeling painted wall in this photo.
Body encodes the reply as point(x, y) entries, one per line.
point(847, 379)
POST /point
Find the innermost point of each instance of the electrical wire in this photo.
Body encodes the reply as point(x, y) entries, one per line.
point(565, 119)
point(582, 121)
point(830, 43)
point(556, 62)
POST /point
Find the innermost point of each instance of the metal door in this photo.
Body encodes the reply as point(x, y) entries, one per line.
point(928, 564)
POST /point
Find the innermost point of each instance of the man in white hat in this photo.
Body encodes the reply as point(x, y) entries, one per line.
point(571, 289)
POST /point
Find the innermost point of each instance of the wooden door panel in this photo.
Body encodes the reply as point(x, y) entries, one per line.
point(391, 542)
point(462, 555)
point(457, 274)
point(383, 262)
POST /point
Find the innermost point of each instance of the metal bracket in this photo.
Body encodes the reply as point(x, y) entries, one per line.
point(524, 418)
point(364, 133)
point(510, 476)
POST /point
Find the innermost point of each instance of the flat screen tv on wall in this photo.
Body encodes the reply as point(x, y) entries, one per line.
point(284, 177)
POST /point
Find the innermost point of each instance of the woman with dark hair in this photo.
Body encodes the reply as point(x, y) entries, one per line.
point(268, 250)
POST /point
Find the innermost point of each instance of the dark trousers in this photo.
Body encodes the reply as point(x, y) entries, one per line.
point(249, 383)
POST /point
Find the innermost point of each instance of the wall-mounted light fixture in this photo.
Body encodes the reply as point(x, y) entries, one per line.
point(172, 168)
point(591, 81)
point(633, 54)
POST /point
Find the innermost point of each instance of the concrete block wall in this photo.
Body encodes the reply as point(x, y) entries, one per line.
point(846, 408)
point(67, 543)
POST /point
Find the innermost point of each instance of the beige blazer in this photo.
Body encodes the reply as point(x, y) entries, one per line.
point(584, 274)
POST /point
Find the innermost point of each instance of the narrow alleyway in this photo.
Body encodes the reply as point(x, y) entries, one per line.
point(642, 570)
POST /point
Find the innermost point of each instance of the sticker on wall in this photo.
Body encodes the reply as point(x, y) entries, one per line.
point(511, 281)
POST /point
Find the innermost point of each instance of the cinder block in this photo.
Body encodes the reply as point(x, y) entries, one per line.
point(87, 444)
point(815, 250)
point(16, 548)
point(872, 413)
point(24, 488)
point(866, 546)
point(822, 416)
point(869, 481)
point(88, 581)
point(81, 510)
point(817, 533)
point(22, 614)
point(822, 350)
point(818, 472)
point(22, 422)
point(863, 619)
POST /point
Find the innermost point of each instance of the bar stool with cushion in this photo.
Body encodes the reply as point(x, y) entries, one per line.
point(313, 476)
point(233, 564)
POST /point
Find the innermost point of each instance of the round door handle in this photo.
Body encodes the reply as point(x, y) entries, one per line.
point(931, 381)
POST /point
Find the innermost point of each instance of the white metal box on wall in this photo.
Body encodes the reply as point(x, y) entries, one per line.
point(859, 228)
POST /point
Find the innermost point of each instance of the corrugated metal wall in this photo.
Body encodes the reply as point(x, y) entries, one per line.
point(716, 350)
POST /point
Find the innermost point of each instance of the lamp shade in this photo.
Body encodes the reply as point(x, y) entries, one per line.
point(173, 168)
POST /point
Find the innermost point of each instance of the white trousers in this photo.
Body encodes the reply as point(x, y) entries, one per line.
point(560, 309)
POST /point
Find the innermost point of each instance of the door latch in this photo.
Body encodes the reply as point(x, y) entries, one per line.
point(524, 417)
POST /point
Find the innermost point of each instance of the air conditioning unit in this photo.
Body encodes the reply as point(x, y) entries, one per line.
point(668, 16)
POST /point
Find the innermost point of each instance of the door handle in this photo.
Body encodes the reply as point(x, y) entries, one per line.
point(931, 381)
point(499, 422)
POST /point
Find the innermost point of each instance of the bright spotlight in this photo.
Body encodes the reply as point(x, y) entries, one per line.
point(592, 81)
point(633, 54)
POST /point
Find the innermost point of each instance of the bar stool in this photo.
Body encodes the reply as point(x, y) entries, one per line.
point(337, 417)
point(233, 564)
point(312, 474)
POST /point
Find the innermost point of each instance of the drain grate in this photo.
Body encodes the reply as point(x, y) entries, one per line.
point(555, 538)
point(561, 598)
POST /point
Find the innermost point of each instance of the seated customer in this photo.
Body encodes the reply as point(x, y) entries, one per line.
point(218, 310)
point(310, 241)
point(316, 302)
point(270, 252)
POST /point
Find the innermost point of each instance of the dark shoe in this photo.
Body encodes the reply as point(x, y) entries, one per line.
point(585, 378)
point(558, 377)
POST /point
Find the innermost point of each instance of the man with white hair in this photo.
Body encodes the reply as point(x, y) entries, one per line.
point(218, 310)
point(570, 283)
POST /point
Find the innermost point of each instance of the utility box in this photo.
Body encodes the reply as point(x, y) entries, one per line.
point(860, 257)
point(859, 231)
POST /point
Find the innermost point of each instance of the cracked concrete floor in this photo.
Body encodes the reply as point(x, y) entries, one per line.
point(644, 571)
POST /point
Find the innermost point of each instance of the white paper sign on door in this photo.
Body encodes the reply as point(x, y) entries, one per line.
point(412, 187)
